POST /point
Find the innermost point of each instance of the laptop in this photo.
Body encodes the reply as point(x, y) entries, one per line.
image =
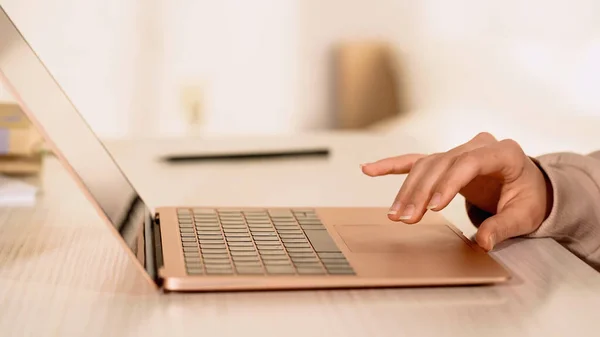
point(194, 248)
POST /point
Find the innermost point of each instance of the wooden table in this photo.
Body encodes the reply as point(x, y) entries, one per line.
point(62, 274)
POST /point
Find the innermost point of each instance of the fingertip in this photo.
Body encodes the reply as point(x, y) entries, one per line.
point(486, 241)
point(368, 170)
point(393, 217)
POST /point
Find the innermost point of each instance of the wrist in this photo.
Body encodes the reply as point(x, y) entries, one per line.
point(548, 189)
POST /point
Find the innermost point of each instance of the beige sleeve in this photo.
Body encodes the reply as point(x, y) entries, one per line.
point(574, 219)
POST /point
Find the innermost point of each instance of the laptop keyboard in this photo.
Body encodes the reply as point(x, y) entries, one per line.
point(257, 242)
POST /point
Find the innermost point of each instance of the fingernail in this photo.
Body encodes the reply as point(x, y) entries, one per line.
point(492, 240)
point(408, 212)
point(395, 208)
point(435, 201)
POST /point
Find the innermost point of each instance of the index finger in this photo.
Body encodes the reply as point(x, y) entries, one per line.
point(393, 165)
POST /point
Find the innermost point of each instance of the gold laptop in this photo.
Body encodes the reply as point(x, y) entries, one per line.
point(207, 248)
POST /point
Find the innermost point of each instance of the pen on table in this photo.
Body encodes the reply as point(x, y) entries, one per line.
point(247, 155)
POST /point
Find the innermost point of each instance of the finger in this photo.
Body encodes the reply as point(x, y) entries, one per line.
point(419, 194)
point(413, 201)
point(503, 159)
point(403, 164)
point(393, 165)
point(403, 207)
point(514, 220)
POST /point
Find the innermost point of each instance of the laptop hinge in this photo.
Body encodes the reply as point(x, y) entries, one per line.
point(154, 253)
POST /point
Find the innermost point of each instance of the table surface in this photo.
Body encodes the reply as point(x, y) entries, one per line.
point(63, 274)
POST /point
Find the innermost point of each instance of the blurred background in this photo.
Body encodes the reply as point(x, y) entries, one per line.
point(436, 69)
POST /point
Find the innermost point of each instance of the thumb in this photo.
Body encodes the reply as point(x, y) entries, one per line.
point(514, 220)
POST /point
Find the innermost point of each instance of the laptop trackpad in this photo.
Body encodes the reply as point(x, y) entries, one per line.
point(398, 238)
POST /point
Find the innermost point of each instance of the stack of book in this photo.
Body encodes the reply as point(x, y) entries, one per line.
point(21, 145)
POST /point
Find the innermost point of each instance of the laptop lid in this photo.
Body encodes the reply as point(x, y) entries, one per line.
point(72, 140)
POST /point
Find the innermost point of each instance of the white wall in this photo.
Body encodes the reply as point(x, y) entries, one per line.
point(534, 57)
point(265, 64)
point(89, 47)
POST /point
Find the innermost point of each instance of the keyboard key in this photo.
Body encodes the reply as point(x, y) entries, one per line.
point(259, 225)
point(233, 221)
point(262, 230)
point(289, 224)
point(263, 234)
point(193, 264)
point(289, 231)
point(307, 258)
point(271, 252)
point(258, 220)
point(267, 247)
point(306, 221)
point(235, 230)
point(250, 271)
point(292, 236)
point(259, 239)
point(239, 239)
point(208, 249)
point(279, 262)
point(208, 227)
point(212, 261)
point(186, 225)
point(195, 271)
point(332, 255)
point(302, 254)
point(240, 244)
point(219, 271)
point(193, 259)
point(189, 244)
point(213, 245)
point(296, 245)
point(268, 243)
point(241, 258)
point(206, 218)
point(310, 271)
point(250, 253)
point(209, 242)
point(188, 234)
point(231, 216)
point(287, 227)
point(254, 263)
point(267, 257)
point(209, 232)
point(309, 227)
point(237, 235)
point(293, 240)
point(279, 270)
point(242, 249)
point(241, 226)
point(255, 213)
point(186, 230)
point(321, 241)
point(299, 250)
point(334, 261)
point(341, 272)
point(203, 238)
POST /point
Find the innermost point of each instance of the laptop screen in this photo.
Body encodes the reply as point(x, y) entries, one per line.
point(49, 108)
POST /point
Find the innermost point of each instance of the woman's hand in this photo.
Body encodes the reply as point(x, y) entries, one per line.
point(495, 176)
